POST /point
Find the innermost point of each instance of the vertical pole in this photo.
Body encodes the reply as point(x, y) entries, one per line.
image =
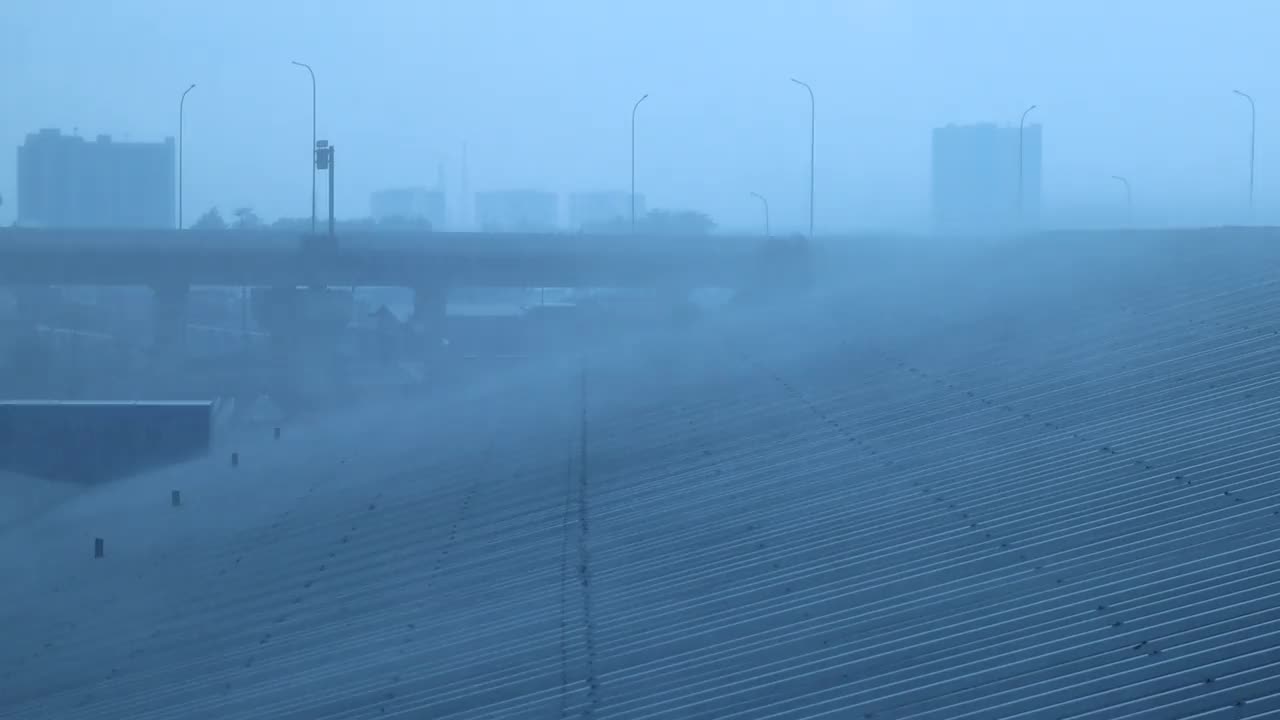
point(1019, 175)
point(765, 203)
point(1253, 134)
point(313, 142)
point(813, 112)
point(1128, 198)
point(330, 151)
point(1021, 126)
point(181, 110)
point(180, 104)
point(633, 160)
point(1253, 137)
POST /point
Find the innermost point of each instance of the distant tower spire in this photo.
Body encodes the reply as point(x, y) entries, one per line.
point(442, 182)
point(464, 196)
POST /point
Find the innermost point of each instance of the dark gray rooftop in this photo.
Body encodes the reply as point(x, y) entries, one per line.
point(1032, 481)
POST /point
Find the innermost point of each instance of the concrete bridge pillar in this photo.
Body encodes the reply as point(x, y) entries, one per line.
point(429, 308)
point(169, 317)
point(306, 326)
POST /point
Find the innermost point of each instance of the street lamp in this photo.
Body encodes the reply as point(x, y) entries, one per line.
point(313, 141)
point(766, 211)
point(812, 122)
point(1253, 134)
point(181, 106)
point(633, 159)
point(1128, 197)
point(1021, 126)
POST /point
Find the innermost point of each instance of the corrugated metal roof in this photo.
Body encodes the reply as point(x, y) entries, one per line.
point(1069, 509)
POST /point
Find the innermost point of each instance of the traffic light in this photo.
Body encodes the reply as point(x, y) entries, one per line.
point(324, 154)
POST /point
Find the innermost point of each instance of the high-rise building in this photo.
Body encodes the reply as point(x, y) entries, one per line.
point(589, 210)
point(517, 211)
point(67, 181)
point(975, 178)
point(410, 205)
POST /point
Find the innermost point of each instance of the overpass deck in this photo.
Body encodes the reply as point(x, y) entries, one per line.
point(405, 259)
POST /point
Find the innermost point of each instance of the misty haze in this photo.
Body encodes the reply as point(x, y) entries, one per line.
point(550, 359)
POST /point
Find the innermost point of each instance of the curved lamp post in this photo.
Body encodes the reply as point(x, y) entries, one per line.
point(1253, 135)
point(1021, 126)
point(181, 108)
point(812, 124)
point(633, 159)
point(1128, 197)
point(765, 202)
point(313, 142)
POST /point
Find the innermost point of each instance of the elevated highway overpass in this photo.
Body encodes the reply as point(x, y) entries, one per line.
point(378, 258)
point(429, 263)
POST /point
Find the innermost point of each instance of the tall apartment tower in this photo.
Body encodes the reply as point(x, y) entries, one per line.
point(67, 181)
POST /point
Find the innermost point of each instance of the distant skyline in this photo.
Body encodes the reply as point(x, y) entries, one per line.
point(541, 94)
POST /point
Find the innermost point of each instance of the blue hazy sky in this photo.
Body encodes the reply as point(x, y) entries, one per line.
point(541, 92)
